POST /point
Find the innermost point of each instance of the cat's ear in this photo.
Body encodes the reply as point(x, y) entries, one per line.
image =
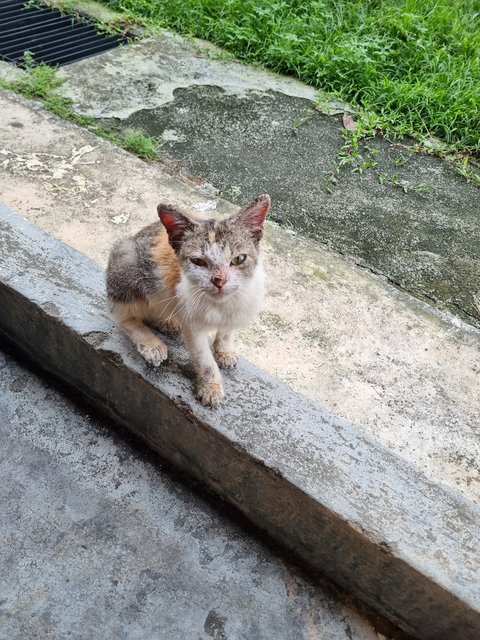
point(253, 215)
point(176, 223)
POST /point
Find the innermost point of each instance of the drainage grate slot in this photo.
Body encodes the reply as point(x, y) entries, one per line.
point(51, 36)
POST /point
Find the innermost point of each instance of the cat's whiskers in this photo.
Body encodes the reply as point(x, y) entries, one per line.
point(183, 304)
point(197, 301)
point(198, 298)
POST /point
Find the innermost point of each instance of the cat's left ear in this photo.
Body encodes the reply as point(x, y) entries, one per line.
point(176, 223)
point(253, 215)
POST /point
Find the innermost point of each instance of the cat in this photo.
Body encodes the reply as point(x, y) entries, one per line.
point(194, 276)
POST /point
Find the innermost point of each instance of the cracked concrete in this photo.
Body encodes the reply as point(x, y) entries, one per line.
point(154, 75)
point(403, 372)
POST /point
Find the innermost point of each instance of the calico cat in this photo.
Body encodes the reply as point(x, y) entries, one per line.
point(193, 276)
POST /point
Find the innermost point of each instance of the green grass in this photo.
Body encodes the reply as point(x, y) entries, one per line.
point(41, 81)
point(412, 66)
point(143, 145)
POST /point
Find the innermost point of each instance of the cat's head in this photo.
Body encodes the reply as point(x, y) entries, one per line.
point(218, 256)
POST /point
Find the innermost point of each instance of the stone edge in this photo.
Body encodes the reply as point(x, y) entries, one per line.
point(53, 311)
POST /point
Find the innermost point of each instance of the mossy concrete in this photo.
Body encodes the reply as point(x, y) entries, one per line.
point(410, 217)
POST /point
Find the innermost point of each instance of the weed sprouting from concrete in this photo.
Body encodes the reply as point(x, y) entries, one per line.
point(39, 81)
point(142, 145)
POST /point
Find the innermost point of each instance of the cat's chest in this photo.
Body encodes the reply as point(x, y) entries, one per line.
point(233, 313)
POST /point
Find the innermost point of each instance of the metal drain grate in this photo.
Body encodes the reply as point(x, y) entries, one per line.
point(51, 36)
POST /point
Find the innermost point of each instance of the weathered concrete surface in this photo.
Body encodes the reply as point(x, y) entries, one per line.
point(9, 72)
point(153, 84)
point(98, 541)
point(239, 129)
point(405, 374)
point(344, 504)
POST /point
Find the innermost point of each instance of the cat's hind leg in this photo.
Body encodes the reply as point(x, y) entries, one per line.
point(130, 318)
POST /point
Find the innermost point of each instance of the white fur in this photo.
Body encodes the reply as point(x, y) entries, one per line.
point(198, 306)
point(227, 312)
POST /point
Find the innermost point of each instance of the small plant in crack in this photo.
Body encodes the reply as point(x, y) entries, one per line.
point(400, 160)
point(141, 144)
point(329, 182)
point(301, 120)
point(363, 165)
point(404, 185)
point(39, 81)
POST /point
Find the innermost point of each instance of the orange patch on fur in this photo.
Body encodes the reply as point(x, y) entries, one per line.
point(166, 258)
point(211, 236)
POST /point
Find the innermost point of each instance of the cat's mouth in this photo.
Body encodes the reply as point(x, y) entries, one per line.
point(220, 294)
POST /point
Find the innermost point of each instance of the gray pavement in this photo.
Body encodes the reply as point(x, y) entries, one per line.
point(346, 505)
point(99, 541)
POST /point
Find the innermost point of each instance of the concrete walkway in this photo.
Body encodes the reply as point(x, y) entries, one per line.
point(100, 542)
point(394, 366)
point(408, 217)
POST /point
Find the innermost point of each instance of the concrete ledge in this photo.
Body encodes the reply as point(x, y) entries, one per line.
point(347, 506)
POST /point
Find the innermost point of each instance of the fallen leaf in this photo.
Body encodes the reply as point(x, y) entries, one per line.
point(349, 123)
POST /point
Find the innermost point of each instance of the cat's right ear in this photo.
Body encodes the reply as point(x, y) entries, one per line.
point(176, 223)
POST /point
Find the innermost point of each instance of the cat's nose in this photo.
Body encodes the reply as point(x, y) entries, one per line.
point(219, 281)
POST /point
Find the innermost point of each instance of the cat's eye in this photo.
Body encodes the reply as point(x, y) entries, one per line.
point(238, 260)
point(199, 262)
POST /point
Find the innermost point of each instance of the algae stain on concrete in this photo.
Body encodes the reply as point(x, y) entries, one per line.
point(274, 321)
point(316, 337)
point(318, 274)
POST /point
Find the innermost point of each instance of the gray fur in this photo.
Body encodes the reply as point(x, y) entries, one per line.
point(131, 272)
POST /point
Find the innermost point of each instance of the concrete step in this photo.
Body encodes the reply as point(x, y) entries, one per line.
point(403, 372)
point(343, 503)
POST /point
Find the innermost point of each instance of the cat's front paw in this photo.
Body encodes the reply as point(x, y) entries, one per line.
point(210, 394)
point(226, 359)
point(154, 354)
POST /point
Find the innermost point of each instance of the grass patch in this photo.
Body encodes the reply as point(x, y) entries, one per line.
point(412, 65)
point(41, 81)
point(142, 145)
